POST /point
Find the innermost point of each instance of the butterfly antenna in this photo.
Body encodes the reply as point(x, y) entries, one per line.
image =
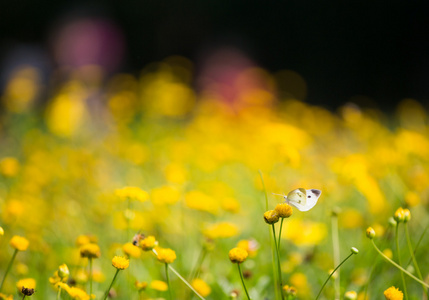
point(283, 195)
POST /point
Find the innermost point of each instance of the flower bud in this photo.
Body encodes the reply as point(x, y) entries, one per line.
point(370, 233)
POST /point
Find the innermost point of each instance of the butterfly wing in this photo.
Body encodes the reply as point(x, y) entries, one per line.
point(302, 199)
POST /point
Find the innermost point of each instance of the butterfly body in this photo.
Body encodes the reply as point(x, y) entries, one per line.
point(303, 199)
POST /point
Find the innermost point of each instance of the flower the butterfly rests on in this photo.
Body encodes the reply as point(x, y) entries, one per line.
point(302, 199)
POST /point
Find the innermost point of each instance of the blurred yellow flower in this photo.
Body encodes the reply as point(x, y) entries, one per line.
point(165, 195)
point(120, 262)
point(82, 240)
point(305, 232)
point(251, 246)
point(299, 280)
point(393, 293)
point(1, 231)
point(412, 198)
point(77, 293)
point(131, 250)
point(220, 230)
point(201, 287)
point(230, 204)
point(5, 297)
point(350, 218)
point(19, 243)
point(199, 201)
point(9, 166)
point(140, 286)
point(158, 285)
point(176, 173)
point(90, 250)
point(166, 255)
point(132, 193)
point(148, 243)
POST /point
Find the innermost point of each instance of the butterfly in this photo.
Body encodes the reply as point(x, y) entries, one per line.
point(302, 199)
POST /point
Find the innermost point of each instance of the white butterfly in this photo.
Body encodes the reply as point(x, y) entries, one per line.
point(302, 199)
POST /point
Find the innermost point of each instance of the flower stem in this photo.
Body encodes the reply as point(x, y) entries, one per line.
point(271, 238)
point(199, 263)
point(242, 281)
point(90, 276)
point(181, 278)
point(410, 248)
point(59, 293)
point(280, 234)
point(278, 263)
point(399, 260)
point(8, 268)
point(111, 284)
point(398, 266)
point(168, 282)
point(330, 275)
point(336, 248)
point(23, 297)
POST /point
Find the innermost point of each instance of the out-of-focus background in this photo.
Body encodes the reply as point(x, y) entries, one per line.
point(374, 54)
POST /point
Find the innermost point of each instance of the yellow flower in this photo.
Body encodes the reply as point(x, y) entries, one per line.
point(63, 271)
point(148, 243)
point(27, 283)
point(166, 255)
point(201, 287)
point(77, 293)
point(131, 250)
point(393, 293)
point(5, 297)
point(237, 255)
point(90, 250)
point(19, 243)
point(158, 285)
point(289, 290)
point(120, 263)
point(407, 215)
point(399, 215)
point(1, 231)
point(82, 240)
point(251, 246)
point(350, 295)
point(165, 195)
point(284, 210)
point(54, 279)
point(370, 233)
point(141, 286)
point(9, 166)
point(220, 230)
point(271, 217)
point(132, 193)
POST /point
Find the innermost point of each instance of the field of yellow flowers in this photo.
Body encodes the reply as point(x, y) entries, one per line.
point(147, 187)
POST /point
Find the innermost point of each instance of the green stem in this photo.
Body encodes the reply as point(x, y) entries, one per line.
point(8, 268)
point(59, 293)
point(278, 263)
point(111, 284)
point(410, 248)
point(271, 238)
point(168, 282)
point(336, 248)
point(181, 278)
point(90, 276)
point(399, 260)
point(330, 275)
point(280, 234)
point(200, 261)
point(398, 266)
point(242, 281)
point(23, 297)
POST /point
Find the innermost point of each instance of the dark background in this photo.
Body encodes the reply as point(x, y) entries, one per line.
point(342, 49)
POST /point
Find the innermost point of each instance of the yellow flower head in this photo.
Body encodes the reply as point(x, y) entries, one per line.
point(201, 287)
point(237, 255)
point(158, 285)
point(63, 271)
point(82, 240)
point(407, 215)
point(166, 255)
point(1, 231)
point(54, 279)
point(5, 297)
point(370, 233)
point(131, 250)
point(77, 293)
point(132, 193)
point(148, 243)
point(141, 286)
point(393, 293)
point(90, 250)
point(284, 210)
point(26, 285)
point(289, 290)
point(120, 262)
point(9, 166)
point(220, 230)
point(399, 215)
point(350, 295)
point(271, 217)
point(19, 243)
